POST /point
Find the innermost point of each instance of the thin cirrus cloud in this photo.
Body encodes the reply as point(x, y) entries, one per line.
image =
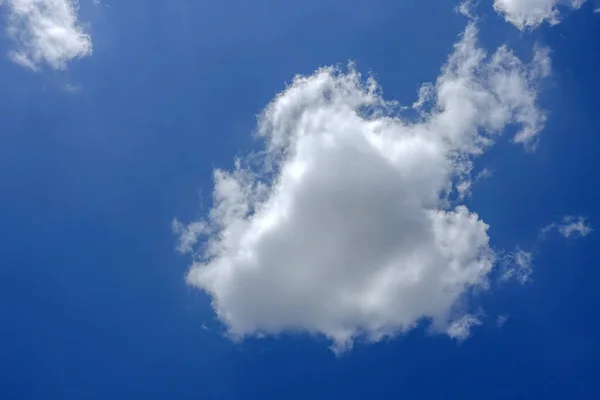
point(460, 329)
point(529, 14)
point(519, 264)
point(569, 226)
point(347, 228)
point(45, 32)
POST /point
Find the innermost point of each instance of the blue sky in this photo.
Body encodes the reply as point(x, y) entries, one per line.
point(334, 255)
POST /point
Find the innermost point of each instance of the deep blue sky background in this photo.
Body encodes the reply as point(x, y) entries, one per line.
point(93, 303)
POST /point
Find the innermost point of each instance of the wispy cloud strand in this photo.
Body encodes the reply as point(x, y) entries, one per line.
point(570, 226)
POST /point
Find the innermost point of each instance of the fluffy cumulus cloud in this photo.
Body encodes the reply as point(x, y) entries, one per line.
point(570, 226)
point(45, 32)
point(348, 226)
point(529, 14)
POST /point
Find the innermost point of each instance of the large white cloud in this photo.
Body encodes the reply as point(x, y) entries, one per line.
point(45, 31)
point(529, 14)
point(348, 229)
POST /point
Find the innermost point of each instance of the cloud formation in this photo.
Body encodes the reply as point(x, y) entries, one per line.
point(346, 228)
point(460, 329)
point(518, 265)
point(570, 226)
point(529, 14)
point(501, 320)
point(45, 32)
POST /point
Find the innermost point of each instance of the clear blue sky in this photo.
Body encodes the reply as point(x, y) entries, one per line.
point(98, 158)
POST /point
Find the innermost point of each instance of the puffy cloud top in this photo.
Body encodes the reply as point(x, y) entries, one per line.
point(347, 229)
point(529, 14)
point(45, 31)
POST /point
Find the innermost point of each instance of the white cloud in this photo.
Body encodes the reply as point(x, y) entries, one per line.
point(45, 31)
point(73, 88)
point(529, 14)
point(188, 234)
point(501, 320)
point(570, 226)
point(466, 8)
point(460, 329)
point(483, 174)
point(518, 265)
point(347, 229)
point(464, 187)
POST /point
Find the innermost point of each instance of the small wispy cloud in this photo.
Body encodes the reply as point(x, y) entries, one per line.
point(518, 265)
point(464, 187)
point(483, 174)
point(569, 226)
point(501, 320)
point(188, 234)
point(466, 8)
point(45, 32)
point(72, 88)
point(461, 328)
